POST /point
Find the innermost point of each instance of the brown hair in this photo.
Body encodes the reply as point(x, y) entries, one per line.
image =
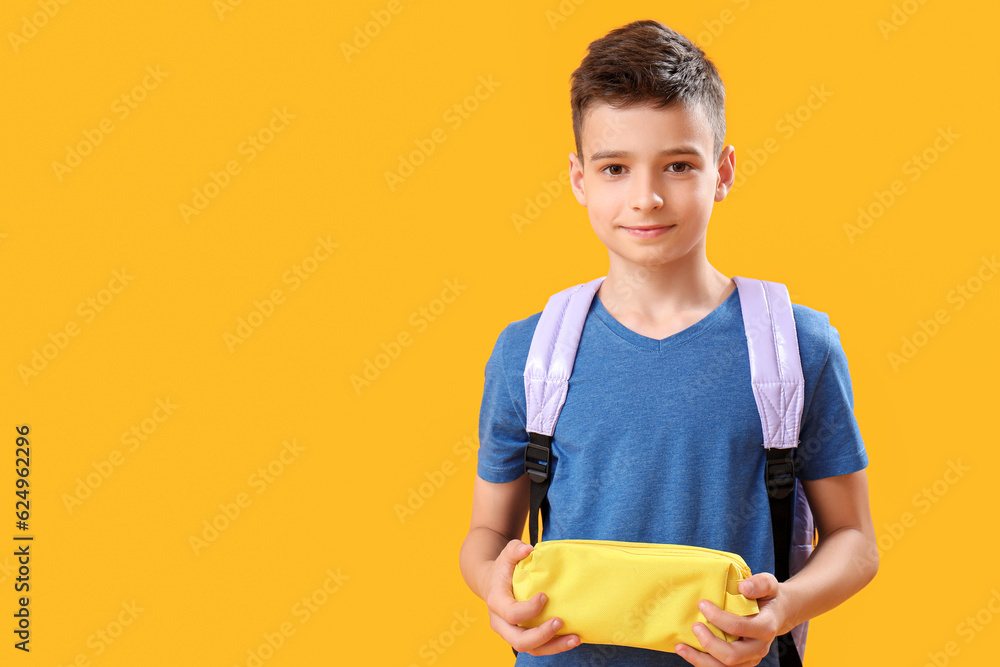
point(645, 62)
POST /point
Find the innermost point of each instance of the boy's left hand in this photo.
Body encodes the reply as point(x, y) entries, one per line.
point(756, 632)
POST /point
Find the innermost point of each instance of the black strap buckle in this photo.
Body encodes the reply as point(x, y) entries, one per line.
point(536, 457)
point(779, 472)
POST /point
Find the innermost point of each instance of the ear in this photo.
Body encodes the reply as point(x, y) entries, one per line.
point(576, 178)
point(727, 173)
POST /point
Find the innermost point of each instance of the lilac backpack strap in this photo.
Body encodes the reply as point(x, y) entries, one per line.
point(546, 383)
point(775, 366)
point(552, 354)
point(779, 390)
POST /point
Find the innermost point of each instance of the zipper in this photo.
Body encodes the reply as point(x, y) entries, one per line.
point(641, 548)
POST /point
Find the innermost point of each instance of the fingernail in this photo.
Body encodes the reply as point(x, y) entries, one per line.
point(572, 642)
point(749, 588)
point(543, 598)
point(556, 624)
point(703, 605)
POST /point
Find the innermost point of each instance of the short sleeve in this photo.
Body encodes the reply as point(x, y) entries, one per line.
point(502, 429)
point(830, 442)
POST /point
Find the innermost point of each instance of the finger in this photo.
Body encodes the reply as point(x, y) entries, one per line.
point(531, 639)
point(762, 585)
point(514, 551)
point(558, 644)
point(735, 653)
point(695, 657)
point(755, 627)
point(501, 597)
point(515, 612)
point(507, 560)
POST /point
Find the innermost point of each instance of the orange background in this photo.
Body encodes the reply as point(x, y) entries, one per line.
point(304, 266)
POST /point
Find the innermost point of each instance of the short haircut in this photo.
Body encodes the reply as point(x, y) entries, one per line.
point(645, 62)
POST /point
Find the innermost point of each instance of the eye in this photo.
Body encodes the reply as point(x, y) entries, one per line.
point(614, 169)
point(685, 165)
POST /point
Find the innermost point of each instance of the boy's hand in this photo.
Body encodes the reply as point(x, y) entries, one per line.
point(506, 612)
point(756, 632)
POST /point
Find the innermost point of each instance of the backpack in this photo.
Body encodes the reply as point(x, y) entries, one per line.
point(778, 389)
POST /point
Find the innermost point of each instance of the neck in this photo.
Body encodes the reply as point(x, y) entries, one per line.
point(660, 293)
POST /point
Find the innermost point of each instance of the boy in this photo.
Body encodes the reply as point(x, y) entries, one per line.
point(659, 439)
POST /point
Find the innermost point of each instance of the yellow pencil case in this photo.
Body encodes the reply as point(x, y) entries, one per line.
point(631, 593)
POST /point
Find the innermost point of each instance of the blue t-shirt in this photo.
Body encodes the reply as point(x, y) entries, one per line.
point(660, 440)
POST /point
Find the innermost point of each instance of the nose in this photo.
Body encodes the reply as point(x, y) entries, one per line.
point(644, 193)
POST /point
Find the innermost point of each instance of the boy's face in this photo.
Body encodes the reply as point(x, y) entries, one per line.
point(649, 182)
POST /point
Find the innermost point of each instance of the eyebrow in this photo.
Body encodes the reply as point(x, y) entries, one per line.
point(684, 149)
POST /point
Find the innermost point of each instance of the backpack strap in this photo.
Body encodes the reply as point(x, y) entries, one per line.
point(546, 382)
point(779, 390)
point(775, 365)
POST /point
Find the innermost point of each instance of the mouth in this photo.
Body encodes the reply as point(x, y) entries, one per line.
point(648, 231)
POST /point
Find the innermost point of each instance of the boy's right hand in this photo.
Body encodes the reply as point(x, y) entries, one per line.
point(506, 612)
